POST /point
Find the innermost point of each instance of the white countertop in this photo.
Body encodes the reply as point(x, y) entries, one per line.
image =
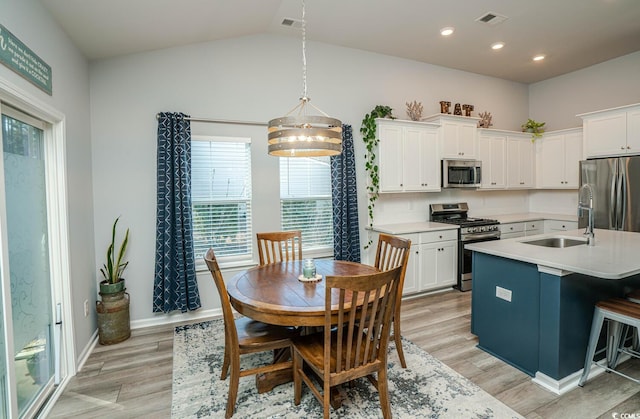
point(531, 216)
point(614, 256)
point(416, 227)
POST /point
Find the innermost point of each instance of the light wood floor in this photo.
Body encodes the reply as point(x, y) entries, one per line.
point(133, 378)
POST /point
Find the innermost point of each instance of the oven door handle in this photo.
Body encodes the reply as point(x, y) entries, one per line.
point(470, 237)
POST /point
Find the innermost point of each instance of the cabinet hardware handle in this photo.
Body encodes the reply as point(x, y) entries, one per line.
point(622, 148)
point(440, 236)
point(628, 147)
point(401, 184)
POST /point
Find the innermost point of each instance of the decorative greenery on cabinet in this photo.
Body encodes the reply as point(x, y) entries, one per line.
point(368, 131)
point(535, 128)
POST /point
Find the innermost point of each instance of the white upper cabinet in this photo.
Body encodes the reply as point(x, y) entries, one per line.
point(492, 151)
point(408, 156)
point(557, 159)
point(458, 135)
point(520, 161)
point(612, 132)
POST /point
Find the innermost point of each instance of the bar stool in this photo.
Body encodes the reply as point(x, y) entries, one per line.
point(619, 312)
point(634, 296)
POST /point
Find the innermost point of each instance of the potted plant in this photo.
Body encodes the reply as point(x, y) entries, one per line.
point(114, 267)
point(535, 128)
point(113, 310)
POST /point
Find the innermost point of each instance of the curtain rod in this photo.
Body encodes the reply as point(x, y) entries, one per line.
point(221, 121)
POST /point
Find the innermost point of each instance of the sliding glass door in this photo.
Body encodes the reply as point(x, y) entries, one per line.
point(26, 341)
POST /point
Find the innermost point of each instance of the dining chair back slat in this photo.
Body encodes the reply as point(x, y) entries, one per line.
point(357, 345)
point(393, 251)
point(279, 246)
point(243, 336)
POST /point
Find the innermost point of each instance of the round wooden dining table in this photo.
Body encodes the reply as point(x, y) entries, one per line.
point(273, 294)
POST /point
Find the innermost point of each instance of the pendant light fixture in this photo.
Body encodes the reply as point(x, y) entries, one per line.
point(298, 134)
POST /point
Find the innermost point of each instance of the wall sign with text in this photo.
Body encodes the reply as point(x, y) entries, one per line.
point(19, 58)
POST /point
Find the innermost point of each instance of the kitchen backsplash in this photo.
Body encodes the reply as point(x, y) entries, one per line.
point(407, 207)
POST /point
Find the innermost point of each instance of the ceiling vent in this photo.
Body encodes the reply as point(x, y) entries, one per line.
point(491, 18)
point(292, 23)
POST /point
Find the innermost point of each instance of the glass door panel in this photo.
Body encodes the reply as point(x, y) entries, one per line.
point(28, 249)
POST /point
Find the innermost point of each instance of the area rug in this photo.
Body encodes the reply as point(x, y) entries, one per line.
point(426, 389)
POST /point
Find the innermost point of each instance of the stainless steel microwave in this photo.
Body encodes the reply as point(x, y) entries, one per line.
point(461, 173)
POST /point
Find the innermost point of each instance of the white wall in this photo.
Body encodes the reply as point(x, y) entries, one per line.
point(613, 83)
point(557, 101)
point(31, 23)
point(254, 78)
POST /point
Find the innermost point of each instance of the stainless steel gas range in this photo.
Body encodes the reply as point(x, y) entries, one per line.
point(472, 230)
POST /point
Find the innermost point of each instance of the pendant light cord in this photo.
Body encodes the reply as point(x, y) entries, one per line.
point(304, 55)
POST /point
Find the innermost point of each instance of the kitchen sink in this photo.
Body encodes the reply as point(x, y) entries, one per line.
point(559, 242)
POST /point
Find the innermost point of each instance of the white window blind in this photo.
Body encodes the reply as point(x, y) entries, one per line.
point(221, 197)
point(305, 200)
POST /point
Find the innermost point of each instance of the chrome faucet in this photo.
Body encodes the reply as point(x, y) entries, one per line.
point(588, 206)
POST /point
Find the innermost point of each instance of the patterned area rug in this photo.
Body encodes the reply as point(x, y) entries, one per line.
point(426, 389)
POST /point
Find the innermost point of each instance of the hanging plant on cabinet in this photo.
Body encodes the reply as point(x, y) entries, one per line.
point(535, 128)
point(368, 131)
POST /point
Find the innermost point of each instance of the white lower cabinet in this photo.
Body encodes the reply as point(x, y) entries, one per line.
point(433, 262)
point(511, 230)
point(557, 225)
point(531, 228)
point(437, 260)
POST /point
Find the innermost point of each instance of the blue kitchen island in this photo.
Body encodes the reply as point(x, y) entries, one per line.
point(532, 306)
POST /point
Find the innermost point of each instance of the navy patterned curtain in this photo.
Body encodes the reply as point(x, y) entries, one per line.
point(344, 194)
point(175, 286)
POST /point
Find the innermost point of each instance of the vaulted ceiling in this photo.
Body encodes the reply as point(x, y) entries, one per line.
point(572, 34)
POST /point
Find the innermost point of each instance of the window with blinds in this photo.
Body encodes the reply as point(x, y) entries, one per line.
point(305, 201)
point(221, 197)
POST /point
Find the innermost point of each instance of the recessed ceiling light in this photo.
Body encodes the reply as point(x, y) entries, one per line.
point(446, 31)
point(539, 57)
point(497, 45)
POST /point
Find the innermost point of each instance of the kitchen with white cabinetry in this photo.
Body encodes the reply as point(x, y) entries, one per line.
point(528, 186)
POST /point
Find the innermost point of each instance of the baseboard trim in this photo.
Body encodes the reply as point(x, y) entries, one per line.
point(567, 383)
point(177, 318)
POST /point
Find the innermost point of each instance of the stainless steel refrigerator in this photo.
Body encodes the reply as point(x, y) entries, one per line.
point(616, 192)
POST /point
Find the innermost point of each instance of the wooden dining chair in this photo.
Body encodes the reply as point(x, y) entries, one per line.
point(279, 246)
point(245, 336)
point(359, 348)
point(392, 252)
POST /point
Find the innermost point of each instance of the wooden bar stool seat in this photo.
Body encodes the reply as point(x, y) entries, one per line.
point(618, 312)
